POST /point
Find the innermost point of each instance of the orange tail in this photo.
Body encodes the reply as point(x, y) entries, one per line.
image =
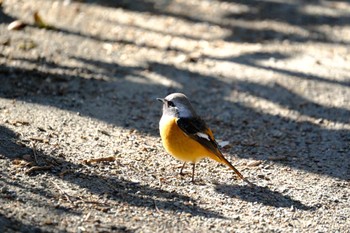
point(224, 161)
point(221, 159)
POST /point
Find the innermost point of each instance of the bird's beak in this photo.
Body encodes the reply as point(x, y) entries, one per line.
point(161, 100)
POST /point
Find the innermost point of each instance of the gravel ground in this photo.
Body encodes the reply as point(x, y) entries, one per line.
point(79, 143)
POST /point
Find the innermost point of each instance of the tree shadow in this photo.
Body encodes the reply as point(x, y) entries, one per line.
point(102, 98)
point(9, 147)
point(262, 195)
point(117, 189)
point(253, 59)
point(136, 194)
point(92, 92)
point(21, 193)
point(106, 91)
point(281, 95)
point(306, 145)
point(8, 224)
point(289, 13)
point(5, 18)
point(292, 13)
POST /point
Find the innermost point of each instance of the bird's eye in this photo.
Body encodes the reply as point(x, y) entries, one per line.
point(171, 104)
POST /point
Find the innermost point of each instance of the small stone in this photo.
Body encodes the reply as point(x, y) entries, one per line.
point(276, 134)
point(27, 157)
point(16, 25)
point(254, 163)
point(4, 189)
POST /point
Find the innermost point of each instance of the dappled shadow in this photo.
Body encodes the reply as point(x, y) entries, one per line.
point(290, 13)
point(22, 193)
point(8, 224)
point(9, 145)
point(136, 194)
point(262, 195)
point(281, 95)
point(102, 97)
point(99, 97)
point(295, 14)
point(311, 140)
point(117, 189)
point(254, 59)
point(5, 18)
point(124, 96)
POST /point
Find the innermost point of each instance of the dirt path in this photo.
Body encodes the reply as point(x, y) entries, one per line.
point(271, 78)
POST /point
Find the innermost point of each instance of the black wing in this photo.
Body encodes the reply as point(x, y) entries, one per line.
point(196, 128)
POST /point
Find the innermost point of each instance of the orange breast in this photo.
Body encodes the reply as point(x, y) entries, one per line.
point(178, 144)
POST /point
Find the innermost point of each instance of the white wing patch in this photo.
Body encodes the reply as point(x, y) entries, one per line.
point(203, 135)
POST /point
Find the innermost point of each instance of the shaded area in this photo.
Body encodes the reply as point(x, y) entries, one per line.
point(292, 13)
point(262, 195)
point(125, 96)
point(5, 18)
point(9, 147)
point(9, 224)
point(116, 189)
point(279, 94)
point(253, 59)
point(70, 90)
point(135, 194)
point(312, 139)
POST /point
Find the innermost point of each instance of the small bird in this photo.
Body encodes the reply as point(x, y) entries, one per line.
point(186, 136)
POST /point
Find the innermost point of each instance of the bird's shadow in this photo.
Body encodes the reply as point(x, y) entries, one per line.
point(263, 195)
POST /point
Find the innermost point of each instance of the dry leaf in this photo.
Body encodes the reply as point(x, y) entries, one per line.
point(40, 22)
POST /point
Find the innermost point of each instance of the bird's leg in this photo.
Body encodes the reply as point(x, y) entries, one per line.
point(181, 173)
point(193, 169)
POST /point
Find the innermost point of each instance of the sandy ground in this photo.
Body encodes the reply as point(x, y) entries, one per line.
point(270, 77)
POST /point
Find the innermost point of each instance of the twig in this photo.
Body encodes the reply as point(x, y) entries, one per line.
point(156, 207)
point(35, 154)
point(37, 139)
point(37, 168)
point(63, 192)
point(104, 132)
point(63, 173)
point(248, 182)
point(98, 160)
point(87, 216)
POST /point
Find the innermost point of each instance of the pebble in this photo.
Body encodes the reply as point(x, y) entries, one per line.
point(254, 163)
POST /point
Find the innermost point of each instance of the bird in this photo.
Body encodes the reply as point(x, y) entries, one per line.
point(186, 136)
